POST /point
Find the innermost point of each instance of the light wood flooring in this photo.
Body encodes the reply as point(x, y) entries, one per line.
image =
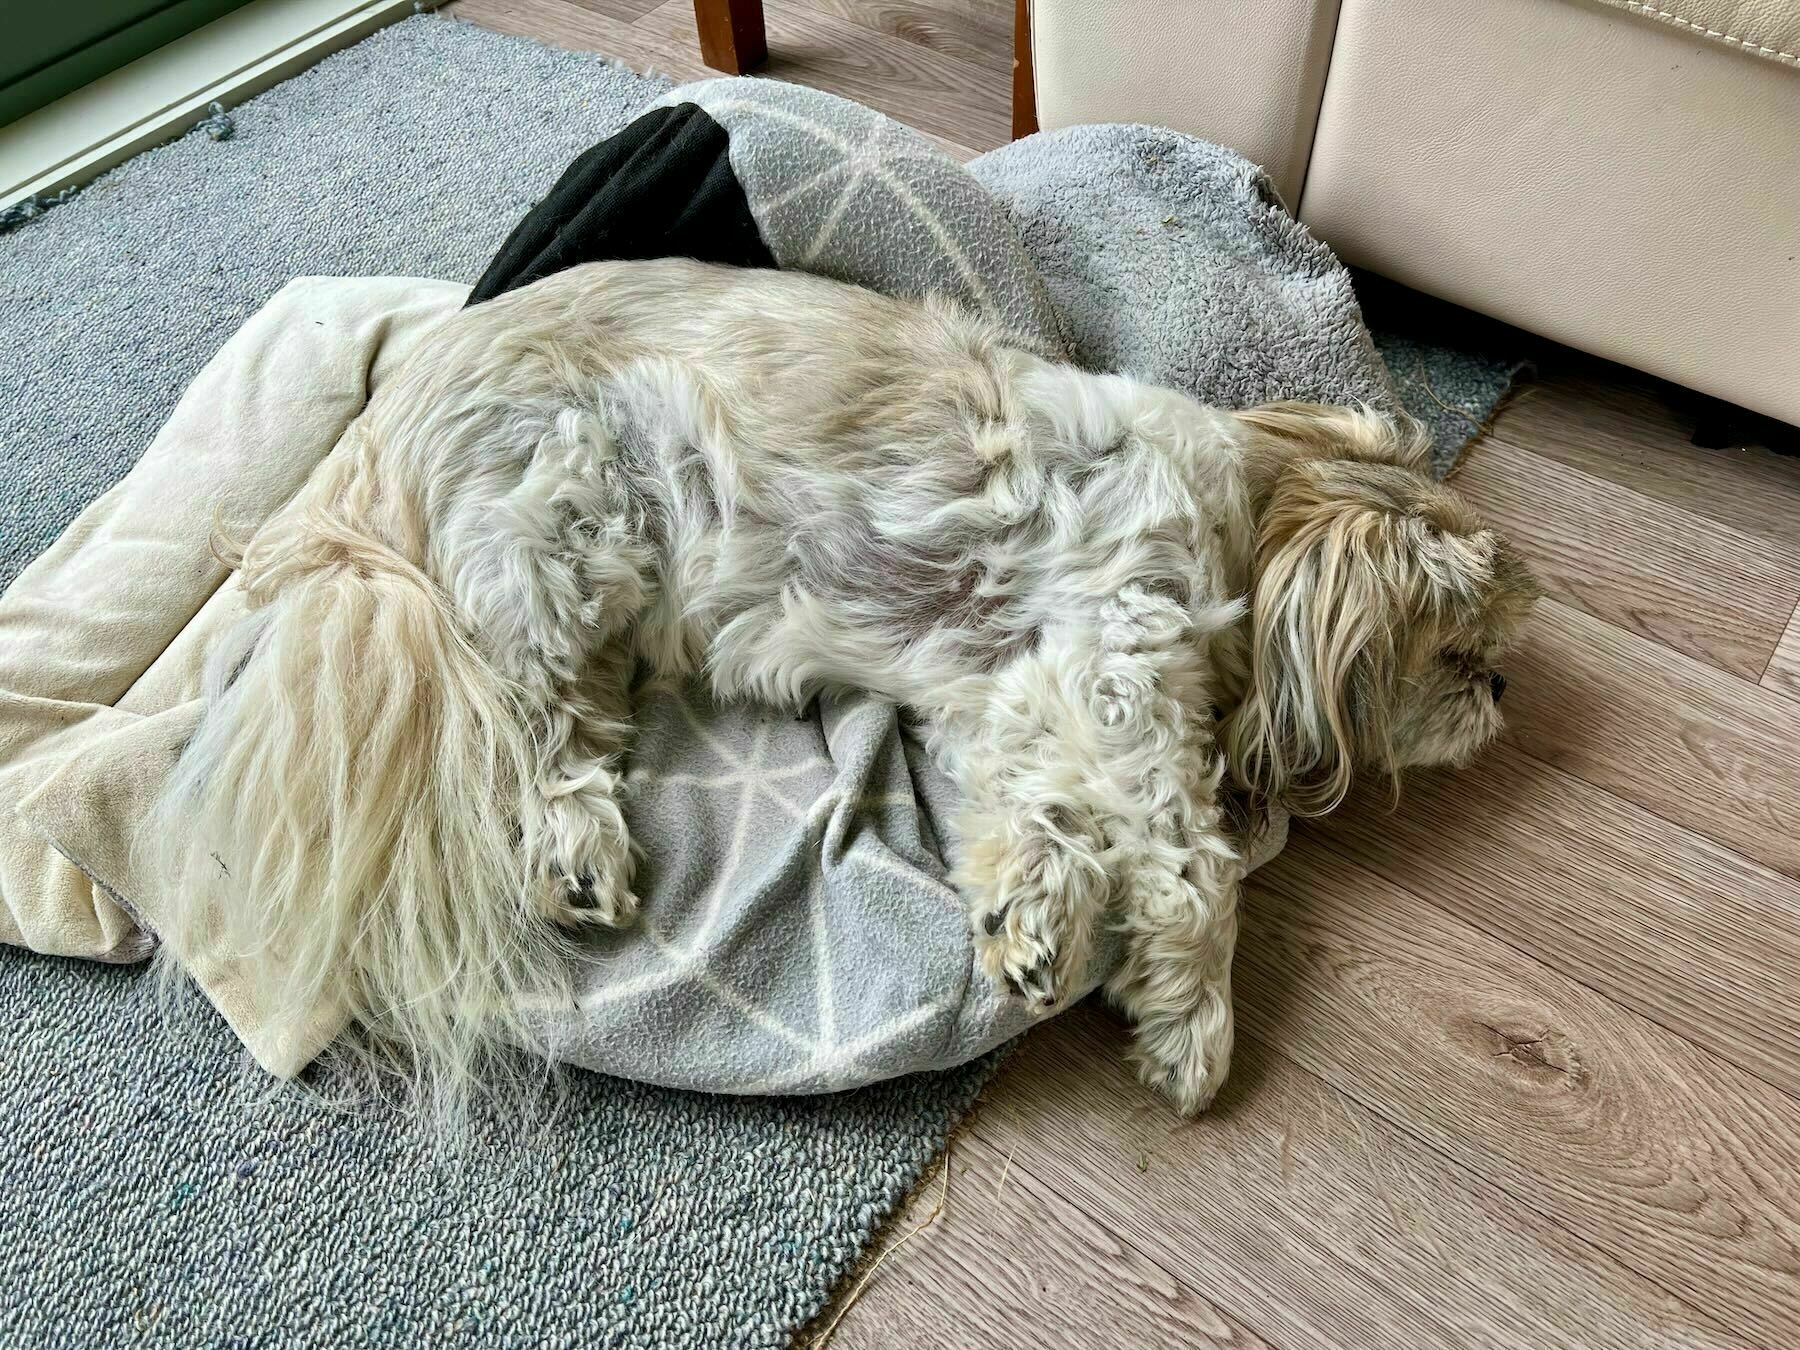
point(1519, 1062)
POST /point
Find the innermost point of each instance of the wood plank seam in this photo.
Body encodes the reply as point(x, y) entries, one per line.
point(1537, 759)
point(1666, 574)
point(1713, 752)
point(1653, 813)
point(1058, 1072)
point(1504, 939)
point(1793, 618)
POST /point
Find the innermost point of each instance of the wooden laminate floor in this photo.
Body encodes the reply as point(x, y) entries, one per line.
point(1519, 1062)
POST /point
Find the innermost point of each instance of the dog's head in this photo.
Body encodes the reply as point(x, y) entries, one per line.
point(1381, 606)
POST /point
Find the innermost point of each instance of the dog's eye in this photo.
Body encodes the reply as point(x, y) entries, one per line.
point(1463, 663)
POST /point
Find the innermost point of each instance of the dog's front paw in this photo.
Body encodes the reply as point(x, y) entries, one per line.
point(1019, 943)
point(1187, 1056)
point(1037, 899)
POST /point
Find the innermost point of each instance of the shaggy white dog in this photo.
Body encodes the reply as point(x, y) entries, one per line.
point(1111, 606)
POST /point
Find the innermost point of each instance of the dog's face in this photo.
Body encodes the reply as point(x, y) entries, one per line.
point(1381, 609)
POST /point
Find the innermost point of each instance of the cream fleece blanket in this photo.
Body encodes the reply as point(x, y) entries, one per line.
point(102, 639)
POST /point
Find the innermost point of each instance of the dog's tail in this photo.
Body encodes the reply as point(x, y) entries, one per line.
point(341, 826)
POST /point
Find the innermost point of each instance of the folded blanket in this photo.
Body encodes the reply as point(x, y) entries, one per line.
point(797, 933)
point(102, 638)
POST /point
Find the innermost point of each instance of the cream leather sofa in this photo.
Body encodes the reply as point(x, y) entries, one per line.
point(1618, 176)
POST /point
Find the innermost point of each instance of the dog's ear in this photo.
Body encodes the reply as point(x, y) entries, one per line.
point(1324, 628)
point(1451, 563)
point(1281, 436)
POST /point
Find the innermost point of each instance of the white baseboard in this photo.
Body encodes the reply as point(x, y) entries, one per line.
point(163, 94)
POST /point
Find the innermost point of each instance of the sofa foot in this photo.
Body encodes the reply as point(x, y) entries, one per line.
point(732, 36)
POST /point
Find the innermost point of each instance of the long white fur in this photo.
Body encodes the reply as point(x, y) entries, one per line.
point(406, 787)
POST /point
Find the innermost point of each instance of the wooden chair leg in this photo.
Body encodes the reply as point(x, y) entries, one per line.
point(1024, 91)
point(732, 38)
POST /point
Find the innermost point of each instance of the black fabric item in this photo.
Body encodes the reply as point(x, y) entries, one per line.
point(661, 188)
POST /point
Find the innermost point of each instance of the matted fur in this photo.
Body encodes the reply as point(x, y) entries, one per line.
point(405, 788)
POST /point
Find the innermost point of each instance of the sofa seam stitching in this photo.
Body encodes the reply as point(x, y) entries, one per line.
point(1748, 43)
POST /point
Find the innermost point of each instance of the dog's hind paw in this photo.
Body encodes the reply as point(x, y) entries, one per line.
point(583, 900)
point(589, 895)
point(1186, 1056)
point(585, 865)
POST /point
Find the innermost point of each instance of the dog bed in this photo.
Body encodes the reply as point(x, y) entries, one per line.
point(798, 934)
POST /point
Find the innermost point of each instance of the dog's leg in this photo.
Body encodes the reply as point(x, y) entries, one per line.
point(1175, 983)
point(1090, 775)
point(554, 578)
point(1031, 847)
point(1037, 888)
point(571, 822)
point(1179, 871)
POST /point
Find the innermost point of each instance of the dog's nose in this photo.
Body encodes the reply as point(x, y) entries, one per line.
point(1497, 682)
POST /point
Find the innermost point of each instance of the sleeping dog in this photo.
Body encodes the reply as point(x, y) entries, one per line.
point(1116, 610)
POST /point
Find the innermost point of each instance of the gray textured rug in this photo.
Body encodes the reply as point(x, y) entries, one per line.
point(149, 1194)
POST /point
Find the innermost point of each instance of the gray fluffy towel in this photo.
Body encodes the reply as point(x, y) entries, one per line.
point(1171, 259)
